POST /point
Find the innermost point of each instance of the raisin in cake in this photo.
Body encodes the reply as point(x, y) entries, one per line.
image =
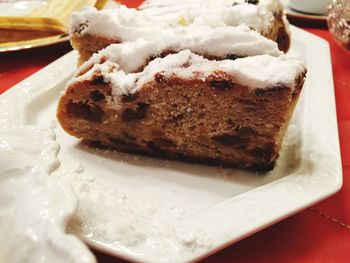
point(92, 30)
point(182, 105)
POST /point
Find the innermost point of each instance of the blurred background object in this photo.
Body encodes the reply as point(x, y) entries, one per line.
point(30, 23)
point(294, 15)
point(318, 7)
point(339, 22)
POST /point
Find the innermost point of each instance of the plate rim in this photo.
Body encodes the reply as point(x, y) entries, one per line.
point(34, 43)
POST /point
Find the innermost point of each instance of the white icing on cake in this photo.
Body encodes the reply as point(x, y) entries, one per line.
point(125, 24)
point(122, 24)
point(214, 13)
point(258, 72)
point(215, 42)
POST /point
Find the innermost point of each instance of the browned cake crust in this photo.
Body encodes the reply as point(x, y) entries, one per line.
point(216, 121)
point(87, 45)
point(282, 36)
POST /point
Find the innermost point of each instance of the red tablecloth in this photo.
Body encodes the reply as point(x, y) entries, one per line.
point(317, 234)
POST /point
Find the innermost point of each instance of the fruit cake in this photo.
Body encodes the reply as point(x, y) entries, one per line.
point(92, 30)
point(182, 105)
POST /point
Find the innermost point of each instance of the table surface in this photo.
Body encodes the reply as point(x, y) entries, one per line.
point(317, 234)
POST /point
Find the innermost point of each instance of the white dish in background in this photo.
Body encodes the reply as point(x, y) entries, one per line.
point(150, 210)
point(317, 7)
point(291, 13)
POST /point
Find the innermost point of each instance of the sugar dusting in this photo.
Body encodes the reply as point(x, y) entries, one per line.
point(237, 41)
point(258, 72)
point(128, 24)
point(216, 13)
point(131, 219)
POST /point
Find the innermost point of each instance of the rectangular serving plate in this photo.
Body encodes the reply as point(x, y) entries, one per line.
point(178, 212)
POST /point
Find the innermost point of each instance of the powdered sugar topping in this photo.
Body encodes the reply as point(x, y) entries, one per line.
point(213, 42)
point(125, 24)
point(215, 13)
point(258, 72)
point(122, 24)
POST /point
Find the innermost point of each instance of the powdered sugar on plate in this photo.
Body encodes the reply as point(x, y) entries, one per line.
point(132, 218)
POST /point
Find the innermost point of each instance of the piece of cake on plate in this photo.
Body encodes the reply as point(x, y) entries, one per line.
point(178, 100)
point(92, 30)
point(265, 16)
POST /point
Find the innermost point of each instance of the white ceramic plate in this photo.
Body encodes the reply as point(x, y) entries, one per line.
point(149, 210)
